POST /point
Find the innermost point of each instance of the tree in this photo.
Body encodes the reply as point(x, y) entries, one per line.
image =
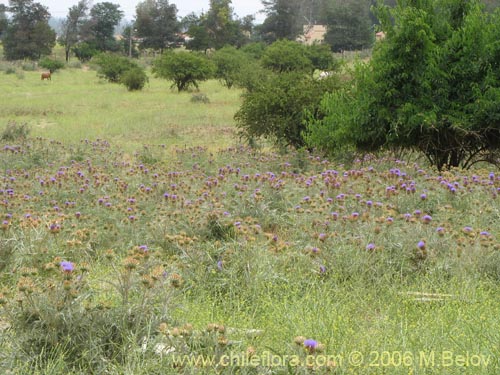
point(432, 85)
point(84, 51)
point(286, 56)
point(4, 22)
point(217, 28)
point(112, 66)
point(104, 17)
point(321, 58)
point(72, 25)
point(156, 24)
point(184, 68)
point(283, 20)
point(198, 33)
point(119, 69)
point(229, 62)
point(275, 109)
point(28, 35)
point(349, 25)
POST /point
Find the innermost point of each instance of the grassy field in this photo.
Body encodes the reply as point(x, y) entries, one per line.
point(137, 237)
point(57, 109)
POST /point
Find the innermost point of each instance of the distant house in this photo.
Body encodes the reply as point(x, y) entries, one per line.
point(313, 34)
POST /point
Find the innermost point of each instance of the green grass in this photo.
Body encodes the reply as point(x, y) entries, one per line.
point(234, 237)
point(77, 105)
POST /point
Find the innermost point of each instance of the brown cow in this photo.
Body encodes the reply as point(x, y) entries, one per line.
point(47, 76)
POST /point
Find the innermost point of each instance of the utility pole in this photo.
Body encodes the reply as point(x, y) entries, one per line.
point(130, 43)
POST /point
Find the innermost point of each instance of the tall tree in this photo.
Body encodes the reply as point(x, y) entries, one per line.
point(104, 17)
point(432, 85)
point(156, 24)
point(217, 28)
point(72, 25)
point(283, 20)
point(3, 20)
point(28, 35)
point(349, 25)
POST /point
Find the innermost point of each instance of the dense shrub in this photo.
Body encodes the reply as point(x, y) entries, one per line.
point(15, 132)
point(275, 108)
point(112, 67)
point(134, 79)
point(432, 85)
point(254, 50)
point(228, 62)
point(184, 68)
point(50, 64)
point(84, 51)
point(286, 56)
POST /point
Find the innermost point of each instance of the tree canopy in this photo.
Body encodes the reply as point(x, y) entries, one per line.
point(432, 85)
point(72, 26)
point(156, 24)
point(28, 35)
point(104, 17)
point(217, 28)
point(185, 69)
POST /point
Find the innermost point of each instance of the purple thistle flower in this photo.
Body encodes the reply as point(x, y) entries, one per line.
point(219, 265)
point(427, 219)
point(421, 245)
point(322, 269)
point(370, 247)
point(67, 266)
point(310, 344)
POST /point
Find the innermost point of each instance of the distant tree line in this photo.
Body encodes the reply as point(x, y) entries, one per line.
point(88, 30)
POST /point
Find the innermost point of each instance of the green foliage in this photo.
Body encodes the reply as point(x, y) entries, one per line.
point(283, 20)
point(15, 132)
point(286, 56)
point(216, 28)
point(349, 25)
point(228, 62)
point(432, 85)
point(73, 25)
point(254, 50)
point(10, 70)
point(275, 108)
point(321, 58)
point(104, 18)
point(156, 24)
point(4, 22)
point(28, 35)
point(85, 51)
point(50, 64)
point(112, 67)
point(185, 69)
point(134, 78)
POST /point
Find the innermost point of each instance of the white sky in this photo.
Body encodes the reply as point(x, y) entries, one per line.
point(59, 8)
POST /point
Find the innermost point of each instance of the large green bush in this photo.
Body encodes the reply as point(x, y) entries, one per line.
point(85, 51)
point(229, 63)
point(185, 69)
point(134, 79)
point(51, 64)
point(276, 106)
point(432, 85)
point(112, 66)
point(286, 56)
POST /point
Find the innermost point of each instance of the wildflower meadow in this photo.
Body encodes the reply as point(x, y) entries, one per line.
point(136, 253)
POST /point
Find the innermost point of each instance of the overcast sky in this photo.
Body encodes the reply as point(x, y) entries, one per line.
point(59, 8)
